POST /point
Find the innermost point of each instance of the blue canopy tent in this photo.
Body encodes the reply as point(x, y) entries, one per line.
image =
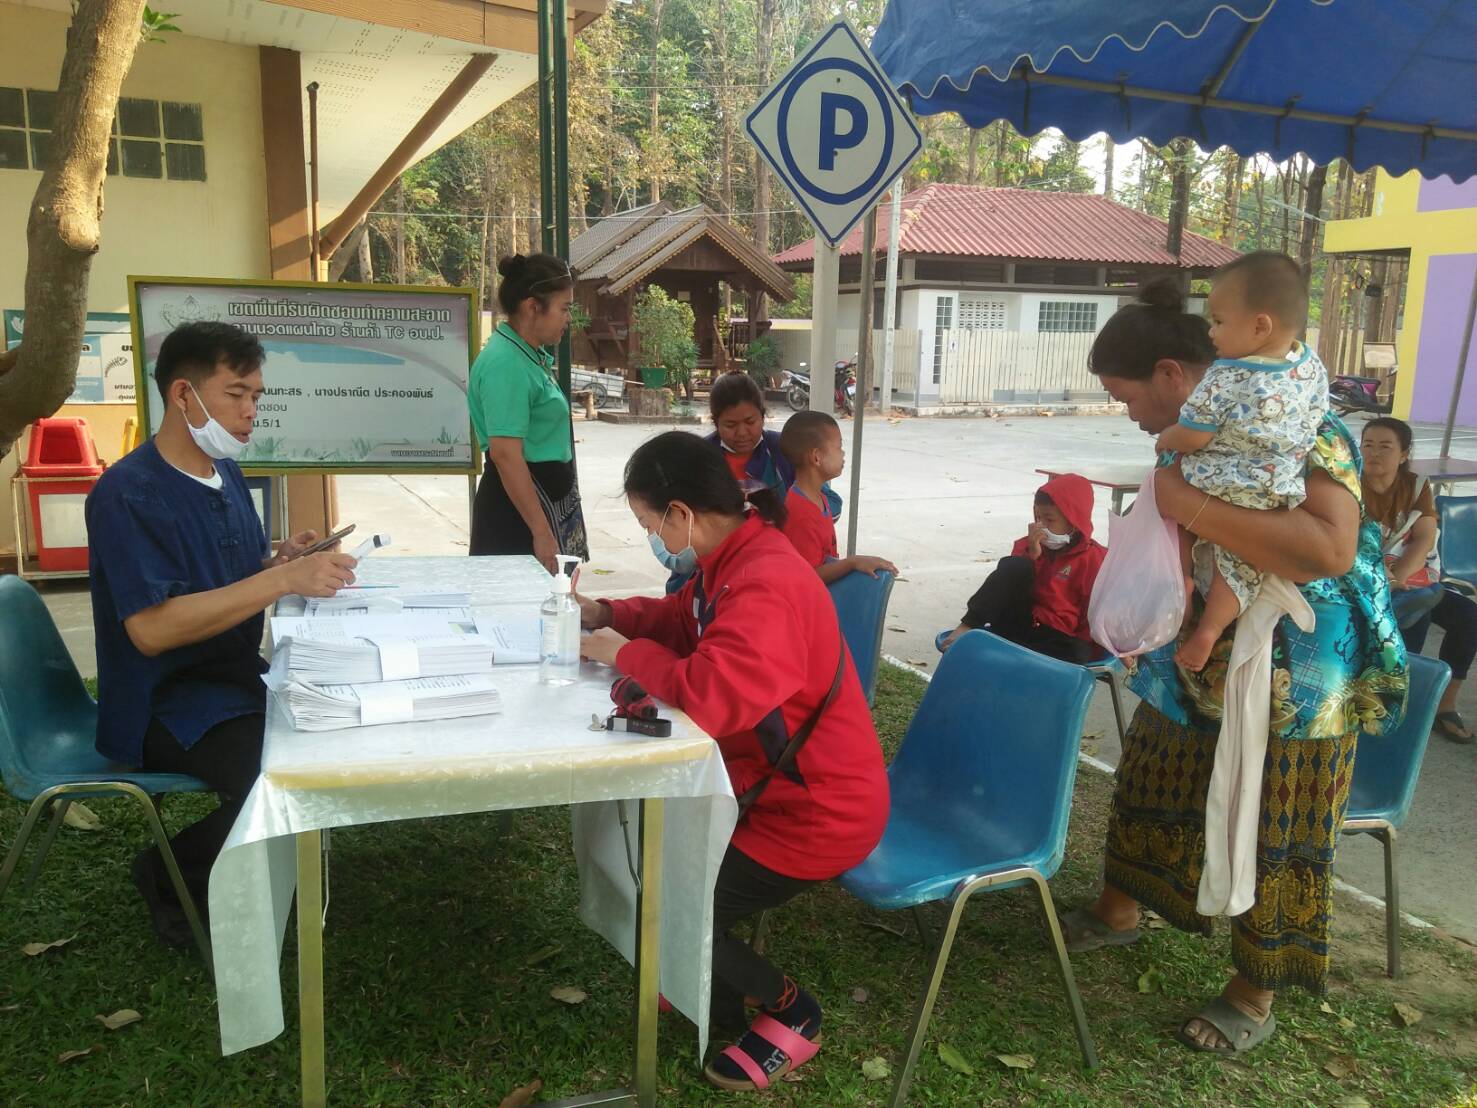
point(1374, 82)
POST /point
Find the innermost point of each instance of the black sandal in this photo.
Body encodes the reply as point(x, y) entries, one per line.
point(1453, 728)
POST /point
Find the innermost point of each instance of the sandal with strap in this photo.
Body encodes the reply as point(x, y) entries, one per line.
point(1453, 728)
point(788, 1050)
point(1241, 1032)
point(1083, 931)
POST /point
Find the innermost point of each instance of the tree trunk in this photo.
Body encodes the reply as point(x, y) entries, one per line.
point(1285, 178)
point(1331, 318)
point(971, 173)
point(1312, 208)
point(1230, 225)
point(653, 73)
point(1109, 146)
point(1260, 187)
point(64, 229)
point(768, 11)
point(1002, 135)
point(725, 114)
point(1179, 197)
point(400, 232)
point(366, 256)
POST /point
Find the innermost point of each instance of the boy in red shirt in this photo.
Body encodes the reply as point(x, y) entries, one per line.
point(1038, 596)
point(811, 442)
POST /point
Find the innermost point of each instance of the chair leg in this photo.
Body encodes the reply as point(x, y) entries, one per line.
point(1113, 691)
point(1064, 964)
point(925, 932)
point(1392, 904)
point(23, 836)
point(761, 931)
point(925, 1004)
point(181, 890)
point(58, 814)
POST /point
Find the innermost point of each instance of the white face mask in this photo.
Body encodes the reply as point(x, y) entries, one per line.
point(213, 439)
point(1052, 541)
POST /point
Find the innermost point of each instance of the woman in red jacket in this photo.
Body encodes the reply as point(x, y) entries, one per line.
point(750, 649)
point(1038, 596)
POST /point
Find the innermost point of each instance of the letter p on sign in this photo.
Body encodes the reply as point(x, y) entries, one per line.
point(833, 140)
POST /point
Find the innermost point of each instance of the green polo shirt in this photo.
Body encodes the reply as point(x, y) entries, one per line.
point(513, 395)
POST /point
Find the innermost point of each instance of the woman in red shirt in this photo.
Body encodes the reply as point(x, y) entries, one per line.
point(750, 649)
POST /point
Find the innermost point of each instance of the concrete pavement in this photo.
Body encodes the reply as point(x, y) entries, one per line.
point(944, 499)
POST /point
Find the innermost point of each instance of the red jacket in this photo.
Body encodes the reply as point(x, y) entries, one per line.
point(748, 649)
point(1064, 578)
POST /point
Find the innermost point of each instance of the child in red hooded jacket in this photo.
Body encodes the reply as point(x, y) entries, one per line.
point(1038, 596)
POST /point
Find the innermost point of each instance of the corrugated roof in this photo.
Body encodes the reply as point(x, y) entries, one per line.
point(640, 245)
point(969, 221)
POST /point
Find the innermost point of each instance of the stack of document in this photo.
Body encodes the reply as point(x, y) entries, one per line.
point(330, 707)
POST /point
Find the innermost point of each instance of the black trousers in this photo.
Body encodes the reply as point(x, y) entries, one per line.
point(1457, 616)
point(744, 889)
point(1003, 604)
point(228, 758)
point(497, 525)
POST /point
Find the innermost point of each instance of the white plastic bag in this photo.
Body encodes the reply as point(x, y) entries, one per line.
point(1138, 600)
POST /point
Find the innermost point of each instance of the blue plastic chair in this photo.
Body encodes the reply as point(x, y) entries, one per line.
point(861, 608)
point(47, 727)
point(981, 792)
point(1456, 543)
point(1386, 768)
point(1108, 671)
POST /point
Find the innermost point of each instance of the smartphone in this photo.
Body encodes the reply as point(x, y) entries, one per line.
point(324, 544)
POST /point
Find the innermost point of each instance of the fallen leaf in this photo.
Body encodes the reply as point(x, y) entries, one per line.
point(1407, 1016)
point(69, 1055)
point(954, 1060)
point(81, 817)
point(1327, 1009)
point(1016, 1061)
point(121, 1018)
point(1154, 921)
point(1151, 981)
point(602, 572)
point(859, 995)
point(1347, 1024)
point(9, 1007)
point(568, 994)
point(876, 1069)
point(1351, 1102)
point(875, 926)
point(793, 1078)
point(543, 954)
point(1341, 1067)
point(33, 949)
point(522, 1095)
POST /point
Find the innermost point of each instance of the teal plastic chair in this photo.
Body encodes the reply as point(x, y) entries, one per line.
point(981, 793)
point(861, 608)
point(47, 727)
point(1456, 543)
point(1386, 769)
point(1108, 670)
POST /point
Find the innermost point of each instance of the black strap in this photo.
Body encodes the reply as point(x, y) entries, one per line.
point(792, 749)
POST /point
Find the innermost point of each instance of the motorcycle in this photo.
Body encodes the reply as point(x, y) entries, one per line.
point(797, 387)
point(1349, 394)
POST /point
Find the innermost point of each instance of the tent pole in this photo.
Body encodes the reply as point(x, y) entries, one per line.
point(1461, 368)
point(863, 370)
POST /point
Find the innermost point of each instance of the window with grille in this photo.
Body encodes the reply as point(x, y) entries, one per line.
point(1066, 315)
point(943, 320)
point(981, 313)
point(151, 138)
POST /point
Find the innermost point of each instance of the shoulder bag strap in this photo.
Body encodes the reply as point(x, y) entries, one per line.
point(792, 749)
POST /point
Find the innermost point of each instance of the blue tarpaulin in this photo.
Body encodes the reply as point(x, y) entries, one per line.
point(1389, 83)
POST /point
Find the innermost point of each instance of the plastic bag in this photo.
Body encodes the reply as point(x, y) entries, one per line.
point(1138, 600)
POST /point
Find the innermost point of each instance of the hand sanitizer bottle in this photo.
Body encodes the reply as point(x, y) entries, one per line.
point(559, 628)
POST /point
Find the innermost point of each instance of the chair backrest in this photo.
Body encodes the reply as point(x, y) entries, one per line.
point(861, 609)
point(992, 749)
point(1457, 542)
point(46, 714)
point(1387, 767)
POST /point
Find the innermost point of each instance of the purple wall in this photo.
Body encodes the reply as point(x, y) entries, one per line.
point(1441, 195)
point(1448, 292)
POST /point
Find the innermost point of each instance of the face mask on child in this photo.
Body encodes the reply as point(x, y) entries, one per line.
point(684, 562)
point(1052, 541)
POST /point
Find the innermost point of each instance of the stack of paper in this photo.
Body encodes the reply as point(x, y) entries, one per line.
point(329, 707)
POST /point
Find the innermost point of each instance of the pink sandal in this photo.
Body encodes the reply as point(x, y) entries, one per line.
point(796, 1049)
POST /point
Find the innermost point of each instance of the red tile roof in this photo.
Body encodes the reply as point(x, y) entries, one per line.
point(978, 222)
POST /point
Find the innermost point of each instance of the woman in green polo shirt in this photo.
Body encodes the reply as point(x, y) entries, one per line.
point(528, 500)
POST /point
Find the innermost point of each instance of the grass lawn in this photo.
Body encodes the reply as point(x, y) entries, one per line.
point(445, 939)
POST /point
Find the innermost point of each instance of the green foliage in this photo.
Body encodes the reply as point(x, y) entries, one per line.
point(764, 360)
point(663, 333)
point(579, 319)
point(798, 308)
point(155, 25)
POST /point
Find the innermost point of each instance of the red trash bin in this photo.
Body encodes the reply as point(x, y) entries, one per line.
point(60, 448)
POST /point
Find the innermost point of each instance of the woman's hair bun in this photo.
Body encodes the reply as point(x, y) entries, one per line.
point(511, 264)
point(1163, 292)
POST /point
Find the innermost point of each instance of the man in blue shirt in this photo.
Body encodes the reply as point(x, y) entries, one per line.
point(181, 575)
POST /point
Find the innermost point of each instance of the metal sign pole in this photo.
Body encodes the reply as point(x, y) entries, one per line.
point(863, 373)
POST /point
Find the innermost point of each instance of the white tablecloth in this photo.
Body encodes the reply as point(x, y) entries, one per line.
point(537, 751)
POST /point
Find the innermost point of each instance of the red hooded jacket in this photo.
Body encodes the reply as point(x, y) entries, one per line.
point(1064, 578)
point(748, 649)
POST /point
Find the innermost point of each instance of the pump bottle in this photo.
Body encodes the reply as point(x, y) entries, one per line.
point(559, 628)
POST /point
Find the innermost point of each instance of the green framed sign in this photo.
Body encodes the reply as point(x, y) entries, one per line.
point(358, 378)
